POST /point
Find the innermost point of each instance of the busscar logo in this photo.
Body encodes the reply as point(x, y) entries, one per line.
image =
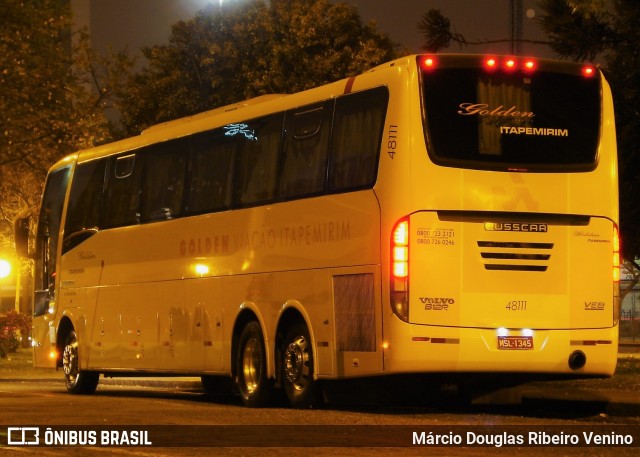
point(515, 227)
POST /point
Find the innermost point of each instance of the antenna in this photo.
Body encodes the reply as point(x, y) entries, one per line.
point(515, 25)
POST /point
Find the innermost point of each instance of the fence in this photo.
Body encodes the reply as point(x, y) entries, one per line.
point(630, 325)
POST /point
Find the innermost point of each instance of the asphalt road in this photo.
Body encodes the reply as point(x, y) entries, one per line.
point(178, 419)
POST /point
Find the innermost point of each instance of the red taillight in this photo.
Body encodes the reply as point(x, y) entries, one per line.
point(400, 269)
point(616, 255)
point(400, 252)
point(616, 276)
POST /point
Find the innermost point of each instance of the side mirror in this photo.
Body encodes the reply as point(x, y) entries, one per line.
point(21, 225)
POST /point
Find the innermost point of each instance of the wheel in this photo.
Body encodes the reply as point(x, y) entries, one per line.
point(76, 380)
point(297, 367)
point(252, 382)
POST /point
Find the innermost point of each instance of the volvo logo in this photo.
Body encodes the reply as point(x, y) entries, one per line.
point(514, 227)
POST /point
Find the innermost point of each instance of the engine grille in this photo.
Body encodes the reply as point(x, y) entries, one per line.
point(515, 256)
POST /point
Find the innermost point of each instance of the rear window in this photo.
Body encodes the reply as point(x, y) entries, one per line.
point(546, 119)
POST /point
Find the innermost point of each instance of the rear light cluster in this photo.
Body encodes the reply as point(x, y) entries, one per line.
point(400, 269)
point(507, 64)
point(616, 276)
point(616, 255)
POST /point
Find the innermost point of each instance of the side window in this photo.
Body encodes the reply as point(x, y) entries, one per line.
point(355, 143)
point(85, 200)
point(304, 153)
point(257, 161)
point(122, 196)
point(210, 172)
point(163, 181)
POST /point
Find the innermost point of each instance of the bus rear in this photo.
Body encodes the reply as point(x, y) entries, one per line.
point(508, 259)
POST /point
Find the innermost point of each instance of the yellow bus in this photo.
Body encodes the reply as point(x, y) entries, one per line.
point(437, 214)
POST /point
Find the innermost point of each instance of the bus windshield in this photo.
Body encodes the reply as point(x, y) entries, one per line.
point(511, 115)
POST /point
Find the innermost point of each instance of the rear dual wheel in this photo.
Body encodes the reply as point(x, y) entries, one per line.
point(297, 367)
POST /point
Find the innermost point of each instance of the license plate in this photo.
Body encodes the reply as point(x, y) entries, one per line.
point(515, 342)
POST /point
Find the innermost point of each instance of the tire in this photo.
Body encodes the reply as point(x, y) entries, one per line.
point(297, 368)
point(76, 380)
point(251, 358)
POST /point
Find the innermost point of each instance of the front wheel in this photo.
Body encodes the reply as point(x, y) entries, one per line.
point(297, 367)
point(251, 363)
point(76, 380)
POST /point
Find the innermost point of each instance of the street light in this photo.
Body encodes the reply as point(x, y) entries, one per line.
point(5, 268)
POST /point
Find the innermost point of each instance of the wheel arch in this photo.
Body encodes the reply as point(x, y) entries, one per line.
point(65, 327)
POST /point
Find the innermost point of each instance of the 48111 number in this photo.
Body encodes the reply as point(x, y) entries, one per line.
point(517, 305)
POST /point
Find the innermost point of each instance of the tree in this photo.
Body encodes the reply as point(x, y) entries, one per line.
point(438, 35)
point(46, 107)
point(14, 329)
point(231, 53)
point(590, 29)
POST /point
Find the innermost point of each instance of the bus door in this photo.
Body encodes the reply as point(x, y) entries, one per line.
point(47, 242)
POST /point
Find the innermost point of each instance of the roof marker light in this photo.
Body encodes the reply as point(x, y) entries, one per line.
point(510, 64)
point(588, 70)
point(428, 63)
point(529, 65)
point(490, 63)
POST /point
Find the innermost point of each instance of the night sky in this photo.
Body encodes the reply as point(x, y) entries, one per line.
point(132, 24)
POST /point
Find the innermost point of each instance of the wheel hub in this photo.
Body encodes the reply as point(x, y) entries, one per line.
point(69, 361)
point(296, 368)
point(251, 364)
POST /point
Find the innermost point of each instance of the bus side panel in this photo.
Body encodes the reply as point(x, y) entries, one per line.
point(358, 320)
point(303, 253)
point(206, 345)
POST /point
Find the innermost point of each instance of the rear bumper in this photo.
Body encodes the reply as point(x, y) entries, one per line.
point(423, 348)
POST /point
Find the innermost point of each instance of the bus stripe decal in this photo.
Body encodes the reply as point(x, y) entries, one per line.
point(349, 86)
